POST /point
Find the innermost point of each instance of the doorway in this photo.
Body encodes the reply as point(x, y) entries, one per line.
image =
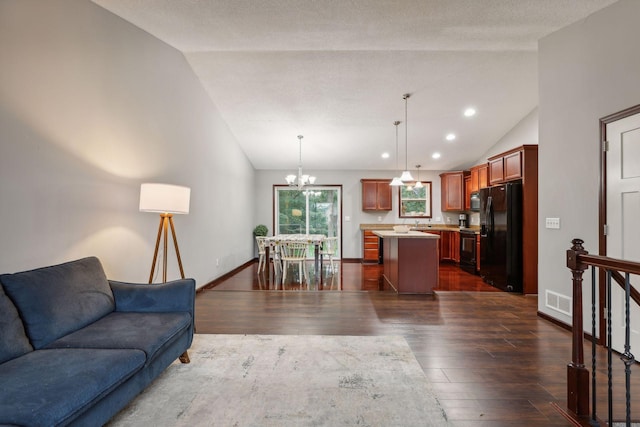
point(313, 210)
point(620, 213)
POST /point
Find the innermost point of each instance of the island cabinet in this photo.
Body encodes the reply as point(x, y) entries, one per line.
point(376, 195)
point(410, 261)
point(452, 191)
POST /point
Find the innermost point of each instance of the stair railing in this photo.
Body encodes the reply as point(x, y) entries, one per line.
point(617, 271)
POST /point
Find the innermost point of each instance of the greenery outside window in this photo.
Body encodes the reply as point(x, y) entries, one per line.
point(314, 210)
point(415, 202)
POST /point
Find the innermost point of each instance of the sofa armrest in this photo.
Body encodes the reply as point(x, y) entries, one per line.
point(178, 295)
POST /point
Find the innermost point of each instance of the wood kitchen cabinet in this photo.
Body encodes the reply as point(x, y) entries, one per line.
point(452, 191)
point(450, 246)
point(376, 195)
point(479, 177)
point(370, 247)
point(496, 171)
point(467, 192)
point(478, 253)
point(509, 166)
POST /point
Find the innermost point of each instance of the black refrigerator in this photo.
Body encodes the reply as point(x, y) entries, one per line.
point(501, 236)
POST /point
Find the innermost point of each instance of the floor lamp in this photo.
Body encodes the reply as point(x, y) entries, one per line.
point(167, 200)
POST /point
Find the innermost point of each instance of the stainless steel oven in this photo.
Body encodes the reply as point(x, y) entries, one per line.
point(468, 250)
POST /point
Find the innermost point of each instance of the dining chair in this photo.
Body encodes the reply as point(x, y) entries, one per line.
point(294, 252)
point(328, 249)
point(262, 245)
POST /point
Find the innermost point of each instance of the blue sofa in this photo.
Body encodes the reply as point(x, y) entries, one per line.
point(75, 348)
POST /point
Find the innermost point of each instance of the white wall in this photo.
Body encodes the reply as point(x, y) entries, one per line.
point(90, 107)
point(587, 71)
point(523, 133)
point(351, 201)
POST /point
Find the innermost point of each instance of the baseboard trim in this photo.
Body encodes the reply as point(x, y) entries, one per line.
point(554, 321)
point(563, 325)
point(217, 281)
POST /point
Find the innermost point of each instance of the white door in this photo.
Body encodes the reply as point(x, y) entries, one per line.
point(623, 218)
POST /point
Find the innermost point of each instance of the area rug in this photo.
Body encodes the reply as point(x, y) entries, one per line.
point(285, 380)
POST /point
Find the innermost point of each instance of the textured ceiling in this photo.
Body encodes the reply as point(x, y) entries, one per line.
point(335, 71)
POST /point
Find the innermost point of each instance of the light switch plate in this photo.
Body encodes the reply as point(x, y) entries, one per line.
point(552, 223)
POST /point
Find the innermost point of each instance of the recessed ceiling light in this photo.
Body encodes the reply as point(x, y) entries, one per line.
point(470, 112)
point(451, 136)
point(385, 155)
point(436, 155)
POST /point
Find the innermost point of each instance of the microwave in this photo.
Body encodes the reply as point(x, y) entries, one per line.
point(474, 202)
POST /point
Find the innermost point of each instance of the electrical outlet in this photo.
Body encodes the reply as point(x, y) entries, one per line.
point(379, 219)
point(217, 262)
point(552, 223)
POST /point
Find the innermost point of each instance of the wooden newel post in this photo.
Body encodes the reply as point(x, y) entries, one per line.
point(577, 374)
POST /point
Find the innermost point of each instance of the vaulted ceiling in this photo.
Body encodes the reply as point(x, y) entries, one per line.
point(335, 71)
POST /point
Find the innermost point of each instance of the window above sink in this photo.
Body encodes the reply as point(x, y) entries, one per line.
point(415, 202)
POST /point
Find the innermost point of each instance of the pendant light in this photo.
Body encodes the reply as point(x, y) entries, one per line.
point(396, 181)
point(406, 175)
point(300, 180)
point(419, 183)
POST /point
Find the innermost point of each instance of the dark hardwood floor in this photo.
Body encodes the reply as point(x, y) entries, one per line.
point(349, 276)
point(490, 359)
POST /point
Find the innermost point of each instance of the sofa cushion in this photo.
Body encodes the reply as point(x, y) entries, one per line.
point(54, 301)
point(51, 387)
point(148, 332)
point(13, 340)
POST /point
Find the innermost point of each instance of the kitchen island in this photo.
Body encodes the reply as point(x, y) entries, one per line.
point(411, 261)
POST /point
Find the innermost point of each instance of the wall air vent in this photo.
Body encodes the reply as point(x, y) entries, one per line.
point(558, 302)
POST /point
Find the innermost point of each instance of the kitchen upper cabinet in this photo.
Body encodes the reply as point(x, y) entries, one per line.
point(467, 192)
point(496, 171)
point(479, 177)
point(513, 166)
point(452, 191)
point(376, 195)
point(506, 166)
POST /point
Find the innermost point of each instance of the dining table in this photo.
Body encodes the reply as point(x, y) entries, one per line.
point(312, 239)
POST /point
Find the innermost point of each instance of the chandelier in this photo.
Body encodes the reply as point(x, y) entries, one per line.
point(300, 180)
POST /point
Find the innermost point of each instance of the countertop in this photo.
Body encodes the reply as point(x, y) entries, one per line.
point(410, 234)
point(421, 227)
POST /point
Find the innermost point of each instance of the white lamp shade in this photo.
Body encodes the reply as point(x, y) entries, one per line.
point(396, 182)
point(406, 176)
point(164, 198)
